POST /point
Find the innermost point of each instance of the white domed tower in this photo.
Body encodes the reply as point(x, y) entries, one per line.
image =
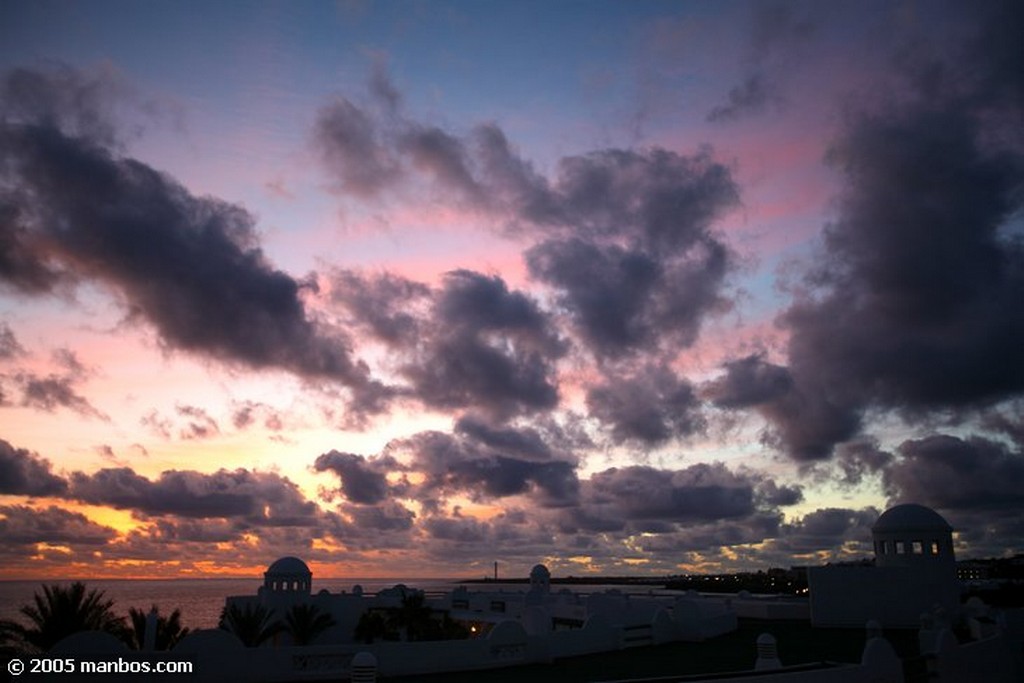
point(288, 575)
point(912, 535)
point(540, 579)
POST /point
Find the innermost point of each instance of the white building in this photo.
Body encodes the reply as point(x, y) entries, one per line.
point(915, 571)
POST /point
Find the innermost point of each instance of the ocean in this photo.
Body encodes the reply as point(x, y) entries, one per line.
point(200, 600)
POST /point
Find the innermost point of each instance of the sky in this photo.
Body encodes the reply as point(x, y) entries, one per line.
point(409, 288)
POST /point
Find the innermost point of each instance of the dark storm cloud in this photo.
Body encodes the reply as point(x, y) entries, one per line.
point(700, 492)
point(26, 474)
point(165, 531)
point(526, 443)
point(262, 499)
point(1011, 427)
point(950, 473)
point(915, 304)
point(648, 407)
point(363, 480)
point(63, 98)
point(857, 459)
point(486, 348)
point(382, 303)
point(460, 529)
point(634, 263)
point(773, 495)
point(712, 535)
point(25, 526)
point(462, 464)
point(747, 382)
point(827, 529)
point(472, 343)
point(191, 266)
point(23, 264)
point(600, 287)
point(807, 422)
point(625, 300)
point(663, 200)
point(368, 520)
point(509, 536)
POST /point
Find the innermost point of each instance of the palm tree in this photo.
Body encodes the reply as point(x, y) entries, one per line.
point(373, 625)
point(60, 611)
point(168, 629)
point(305, 622)
point(253, 624)
point(413, 617)
point(11, 641)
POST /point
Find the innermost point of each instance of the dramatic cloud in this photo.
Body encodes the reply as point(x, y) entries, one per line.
point(26, 474)
point(23, 268)
point(648, 407)
point(827, 529)
point(653, 500)
point(488, 348)
point(25, 526)
point(749, 381)
point(914, 304)
point(951, 473)
point(712, 536)
point(362, 480)
point(626, 235)
point(191, 266)
point(487, 464)
point(383, 304)
point(261, 499)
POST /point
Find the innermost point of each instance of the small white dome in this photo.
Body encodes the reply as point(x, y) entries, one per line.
point(910, 517)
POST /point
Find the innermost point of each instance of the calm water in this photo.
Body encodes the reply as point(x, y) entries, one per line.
point(200, 600)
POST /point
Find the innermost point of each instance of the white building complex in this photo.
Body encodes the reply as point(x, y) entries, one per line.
point(913, 585)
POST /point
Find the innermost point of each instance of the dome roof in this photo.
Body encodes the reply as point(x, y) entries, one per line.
point(911, 517)
point(289, 566)
point(540, 570)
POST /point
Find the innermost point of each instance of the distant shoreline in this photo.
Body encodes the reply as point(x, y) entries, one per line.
point(582, 580)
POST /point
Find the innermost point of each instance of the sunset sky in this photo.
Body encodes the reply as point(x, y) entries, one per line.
point(406, 288)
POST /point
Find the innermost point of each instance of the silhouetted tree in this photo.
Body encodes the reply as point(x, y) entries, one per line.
point(168, 629)
point(373, 625)
point(304, 622)
point(59, 611)
point(11, 641)
point(413, 617)
point(253, 624)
